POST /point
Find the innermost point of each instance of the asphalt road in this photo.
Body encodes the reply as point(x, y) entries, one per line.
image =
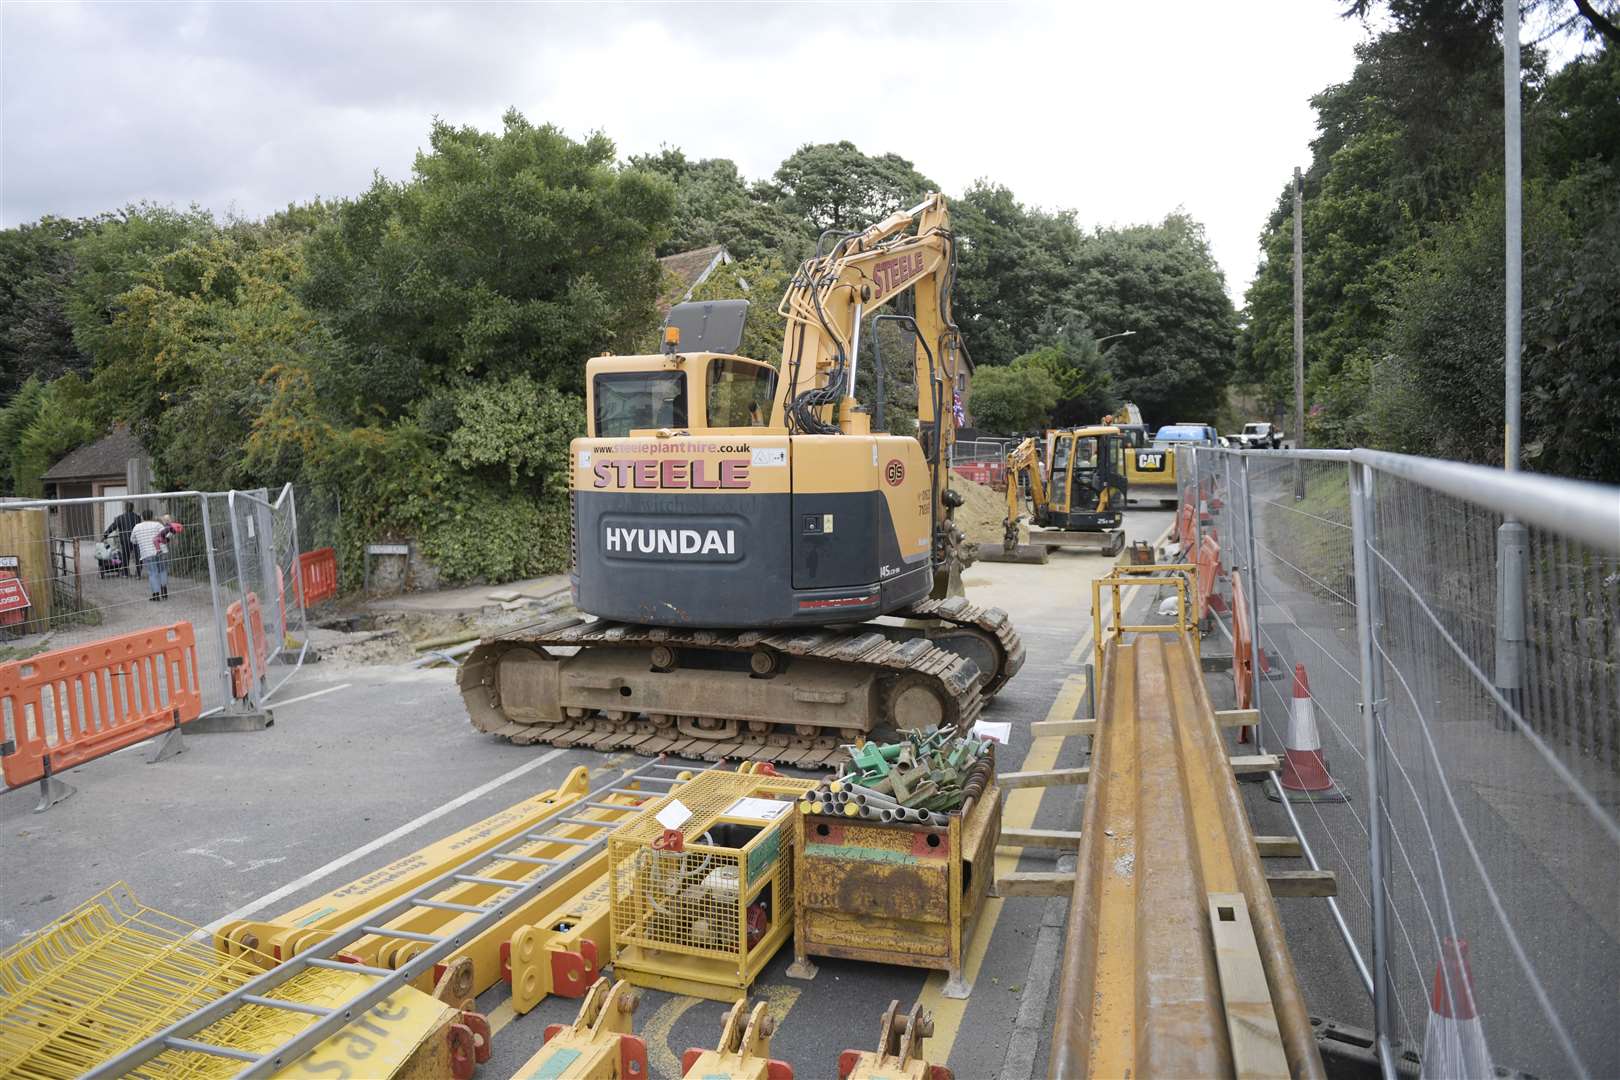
point(377, 762)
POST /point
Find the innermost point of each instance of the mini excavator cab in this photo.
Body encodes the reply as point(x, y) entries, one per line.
point(1085, 479)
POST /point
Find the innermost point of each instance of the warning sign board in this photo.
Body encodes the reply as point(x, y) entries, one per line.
point(13, 597)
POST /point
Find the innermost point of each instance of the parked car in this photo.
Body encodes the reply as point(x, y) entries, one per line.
point(1261, 436)
point(1197, 434)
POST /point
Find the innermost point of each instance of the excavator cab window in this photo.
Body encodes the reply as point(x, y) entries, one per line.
point(629, 401)
point(740, 393)
point(1059, 485)
point(1084, 471)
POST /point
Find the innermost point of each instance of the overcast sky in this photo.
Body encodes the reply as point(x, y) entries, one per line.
point(1119, 111)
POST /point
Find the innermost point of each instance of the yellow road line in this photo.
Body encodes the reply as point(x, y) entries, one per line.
point(1018, 812)
point(661, 1057)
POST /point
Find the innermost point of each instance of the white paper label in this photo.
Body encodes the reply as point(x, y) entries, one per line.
point(674, 815)
point(989, 729)
point(766, 457)
point(584, 459)
point(757, 809)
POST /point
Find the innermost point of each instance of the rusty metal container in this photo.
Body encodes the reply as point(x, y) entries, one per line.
point(892, 893)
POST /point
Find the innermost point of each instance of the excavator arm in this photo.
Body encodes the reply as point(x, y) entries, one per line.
point(1022, 462)
point(911, 251)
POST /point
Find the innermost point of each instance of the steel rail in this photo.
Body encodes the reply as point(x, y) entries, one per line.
point(1144, 990)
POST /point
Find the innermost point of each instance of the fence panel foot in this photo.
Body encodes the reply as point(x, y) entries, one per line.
point(51, 792)
point(230, 721)
point(167, 745)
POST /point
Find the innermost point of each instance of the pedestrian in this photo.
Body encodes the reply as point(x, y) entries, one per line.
point(145, 538)
point(122, 524)
point(171, 529)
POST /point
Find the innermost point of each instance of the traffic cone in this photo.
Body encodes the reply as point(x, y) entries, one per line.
point(1454, 1044)
point(1304, 773)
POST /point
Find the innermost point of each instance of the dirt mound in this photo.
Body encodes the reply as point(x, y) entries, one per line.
point(983, 510)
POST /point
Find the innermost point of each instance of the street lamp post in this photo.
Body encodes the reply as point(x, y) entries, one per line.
point(1111, 337)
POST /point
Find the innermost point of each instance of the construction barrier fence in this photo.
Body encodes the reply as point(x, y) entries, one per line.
point(1471, 812)
point(74, 590)
point(68, 706)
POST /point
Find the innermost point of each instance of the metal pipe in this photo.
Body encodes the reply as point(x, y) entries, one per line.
point(854, 351)
point(254, 695)
point(1362, 524)
point(1582, 511)
point(31, 504)
point(1513, 182)
point(1254, 607)
point(213, 592)
point(1299, 329)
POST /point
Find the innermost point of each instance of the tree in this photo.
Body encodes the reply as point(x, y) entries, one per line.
point(1079, 371)
point(1161, 282)
point(835, 186)
point(1015, 399)
point(522, 251)
point(112, 255)
point(59, 423)
point(189, 359)
point(1017, 272)
point(15, 416)
point(36, 338)
point(714, 205)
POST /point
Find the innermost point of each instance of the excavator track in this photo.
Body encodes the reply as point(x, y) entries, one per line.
point(623, 689)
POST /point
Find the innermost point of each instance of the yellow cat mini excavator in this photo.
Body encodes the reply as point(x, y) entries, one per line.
point(1074, 486)
point(772, 573)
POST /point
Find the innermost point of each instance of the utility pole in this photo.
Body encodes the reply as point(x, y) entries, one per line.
point(1511, 537)
point(1299, 336)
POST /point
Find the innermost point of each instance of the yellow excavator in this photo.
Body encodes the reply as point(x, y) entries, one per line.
point(1074, 488)
point(770, 572)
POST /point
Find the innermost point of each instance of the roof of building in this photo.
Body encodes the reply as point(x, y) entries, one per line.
point(691, 269)
point(107, 456)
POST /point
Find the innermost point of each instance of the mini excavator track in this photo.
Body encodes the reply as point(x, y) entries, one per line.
point(714, 694)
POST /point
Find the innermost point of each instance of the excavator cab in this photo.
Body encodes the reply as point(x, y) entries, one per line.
point(1085, 479)
point(696, 384)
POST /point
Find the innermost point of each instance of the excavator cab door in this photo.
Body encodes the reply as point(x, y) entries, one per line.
point(1087, 467)
point(1057, 485)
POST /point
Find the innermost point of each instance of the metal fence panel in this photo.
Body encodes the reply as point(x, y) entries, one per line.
point(1478, 841)
point(78, 597)
point(84, 582)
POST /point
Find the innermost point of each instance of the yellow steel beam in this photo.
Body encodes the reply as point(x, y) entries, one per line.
point(1151, 986)
point(280, 938)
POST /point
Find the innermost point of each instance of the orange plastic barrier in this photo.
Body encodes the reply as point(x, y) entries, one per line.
point(317, 572)
point(1209, 567)
point(236, 636)
point(1242, 647)
point(70, 706)
point(1186, 533)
